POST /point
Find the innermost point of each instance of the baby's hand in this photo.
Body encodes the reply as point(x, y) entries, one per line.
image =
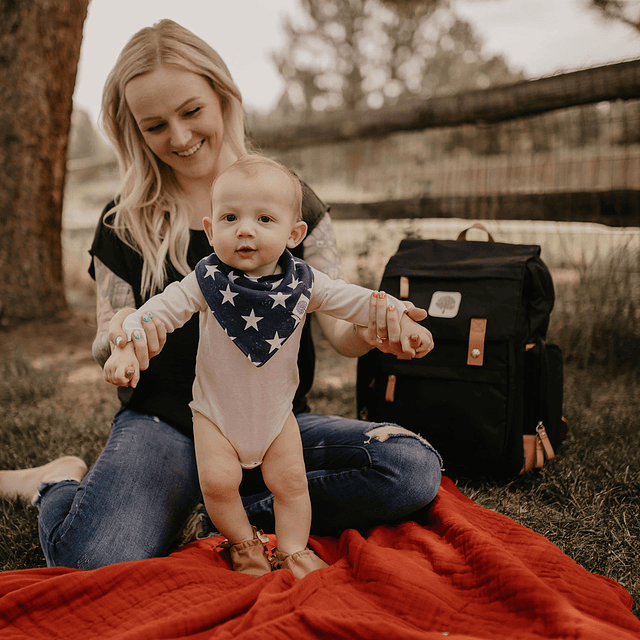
point(122, 368)
point(416, 340)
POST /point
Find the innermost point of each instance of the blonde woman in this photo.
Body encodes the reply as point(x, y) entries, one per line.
point(174, 115)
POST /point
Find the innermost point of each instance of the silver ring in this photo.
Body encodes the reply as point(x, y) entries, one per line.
point(118, 341)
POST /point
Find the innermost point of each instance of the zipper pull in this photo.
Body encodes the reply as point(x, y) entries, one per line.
point(544, 441)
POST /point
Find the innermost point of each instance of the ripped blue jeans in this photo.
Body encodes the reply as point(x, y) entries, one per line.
point(135, 499)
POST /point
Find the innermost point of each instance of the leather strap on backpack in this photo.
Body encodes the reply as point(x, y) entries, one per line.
point(477, 332)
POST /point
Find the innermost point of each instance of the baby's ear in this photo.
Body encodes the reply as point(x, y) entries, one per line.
point(208, 229)
point(298, 232)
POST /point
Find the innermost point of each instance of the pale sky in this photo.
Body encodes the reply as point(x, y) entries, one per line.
point(540, 37)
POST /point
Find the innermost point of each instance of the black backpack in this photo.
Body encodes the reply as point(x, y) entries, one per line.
point(489, 395)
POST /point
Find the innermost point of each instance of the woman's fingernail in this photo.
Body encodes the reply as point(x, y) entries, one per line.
point(392, 307)
point(382, 294)
point(146, 318)
point(137, 335)
point(150, 315)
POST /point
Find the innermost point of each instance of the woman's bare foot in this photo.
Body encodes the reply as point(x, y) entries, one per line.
point(24, 483)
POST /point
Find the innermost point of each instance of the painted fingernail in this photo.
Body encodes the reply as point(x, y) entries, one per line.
point(392, 307)
point(146, 318)
point(137, 335)
point(382, 294)
point(118, 341)
point(150, 315)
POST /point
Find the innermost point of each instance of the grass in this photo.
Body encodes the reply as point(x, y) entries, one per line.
point(586, 500)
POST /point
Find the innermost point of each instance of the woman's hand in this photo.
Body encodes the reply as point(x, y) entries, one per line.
point(383, 330)
point(155, 333)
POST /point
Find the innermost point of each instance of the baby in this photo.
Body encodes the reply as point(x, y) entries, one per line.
point(253, 296)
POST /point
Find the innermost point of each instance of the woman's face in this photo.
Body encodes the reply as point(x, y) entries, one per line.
point(180, 118)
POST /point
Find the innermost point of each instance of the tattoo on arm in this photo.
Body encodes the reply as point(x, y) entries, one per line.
point(321, 249)
point(112, 294)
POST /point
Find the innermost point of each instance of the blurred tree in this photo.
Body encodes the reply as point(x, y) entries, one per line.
point(626, 11)
point(39, 50)
point(363, 54)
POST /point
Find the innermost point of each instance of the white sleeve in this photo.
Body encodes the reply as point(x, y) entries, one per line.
point(173, 307)
point(345, 301)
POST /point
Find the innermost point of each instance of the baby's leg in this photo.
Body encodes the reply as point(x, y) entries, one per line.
point(220, 474)
point(284, 474)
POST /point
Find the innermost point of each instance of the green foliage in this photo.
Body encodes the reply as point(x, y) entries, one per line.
point(362, 54)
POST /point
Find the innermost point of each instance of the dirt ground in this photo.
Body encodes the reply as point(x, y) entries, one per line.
point(64, 345)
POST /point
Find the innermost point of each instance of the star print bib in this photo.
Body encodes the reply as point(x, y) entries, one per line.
point(258, 314)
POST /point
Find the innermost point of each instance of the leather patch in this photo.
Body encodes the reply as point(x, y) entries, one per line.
point(477, 332)
point(404, 288)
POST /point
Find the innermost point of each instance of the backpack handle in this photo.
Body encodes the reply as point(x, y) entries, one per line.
point(478, 225)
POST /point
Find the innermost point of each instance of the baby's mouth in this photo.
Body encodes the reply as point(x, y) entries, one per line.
point(191, 151)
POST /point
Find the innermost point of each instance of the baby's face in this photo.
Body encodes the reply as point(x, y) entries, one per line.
point(253, 220)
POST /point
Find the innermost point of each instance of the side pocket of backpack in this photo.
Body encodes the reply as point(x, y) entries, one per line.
point(544, 426)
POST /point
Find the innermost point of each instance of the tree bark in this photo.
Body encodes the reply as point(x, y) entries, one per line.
point(39, 50)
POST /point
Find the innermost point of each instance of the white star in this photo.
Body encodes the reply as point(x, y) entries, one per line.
point(228, 336)
point(252, 320)
point(228, 296)
point(294, 282)
point(233, 276)
point(275, 285)
point(211, 271)
point(276, 343)
point(278, 299)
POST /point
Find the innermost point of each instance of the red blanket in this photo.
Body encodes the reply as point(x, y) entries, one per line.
point(466, 573)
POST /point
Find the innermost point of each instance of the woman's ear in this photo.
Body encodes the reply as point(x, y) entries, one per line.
point(208, 229)
point(298, 232)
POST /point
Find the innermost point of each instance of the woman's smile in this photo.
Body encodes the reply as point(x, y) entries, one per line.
point(189, 152)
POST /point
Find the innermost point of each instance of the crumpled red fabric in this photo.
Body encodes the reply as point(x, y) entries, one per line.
point(459, 571)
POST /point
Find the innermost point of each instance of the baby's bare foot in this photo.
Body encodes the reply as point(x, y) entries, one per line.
point(24, 483)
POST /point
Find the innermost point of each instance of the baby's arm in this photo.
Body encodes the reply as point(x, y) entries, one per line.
point(122, 368)
point(416, 340)
point(173, 307)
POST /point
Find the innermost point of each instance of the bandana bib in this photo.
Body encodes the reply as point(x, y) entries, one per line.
point(258, 314)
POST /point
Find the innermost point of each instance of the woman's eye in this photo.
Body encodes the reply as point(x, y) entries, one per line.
point(192, 112)
point(155, 127)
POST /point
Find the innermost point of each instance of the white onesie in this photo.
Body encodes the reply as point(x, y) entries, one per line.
point(249, 397)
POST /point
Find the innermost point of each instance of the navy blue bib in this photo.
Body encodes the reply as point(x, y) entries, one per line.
point(258, 314)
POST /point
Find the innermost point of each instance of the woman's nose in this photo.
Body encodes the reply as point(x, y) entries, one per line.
point(180, 136)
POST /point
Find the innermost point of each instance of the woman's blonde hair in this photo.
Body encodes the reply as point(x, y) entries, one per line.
point(150, 214)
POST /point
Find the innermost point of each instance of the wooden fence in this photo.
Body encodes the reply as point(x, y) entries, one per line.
point(562, 148)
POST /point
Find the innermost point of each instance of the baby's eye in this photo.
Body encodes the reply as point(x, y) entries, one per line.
point(264, 219)
point(230, 217)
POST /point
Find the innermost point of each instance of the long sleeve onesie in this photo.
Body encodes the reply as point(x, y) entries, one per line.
point(250, 403)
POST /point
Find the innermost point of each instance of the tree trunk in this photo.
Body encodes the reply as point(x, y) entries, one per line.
point(39, 50)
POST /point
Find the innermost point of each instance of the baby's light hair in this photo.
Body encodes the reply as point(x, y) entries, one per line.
point(251, 163)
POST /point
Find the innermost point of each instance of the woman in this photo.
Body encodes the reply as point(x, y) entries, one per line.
point(174, 116)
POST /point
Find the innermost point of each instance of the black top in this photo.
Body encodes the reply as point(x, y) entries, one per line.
point(165, 387)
